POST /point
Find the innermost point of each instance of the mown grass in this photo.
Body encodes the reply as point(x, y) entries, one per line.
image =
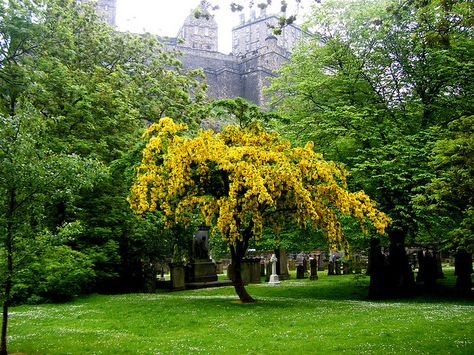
point(327, 316)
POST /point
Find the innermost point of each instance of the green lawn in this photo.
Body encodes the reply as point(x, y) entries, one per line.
point(327, 316)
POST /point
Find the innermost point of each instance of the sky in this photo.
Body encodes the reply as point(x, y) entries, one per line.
point(165, 17)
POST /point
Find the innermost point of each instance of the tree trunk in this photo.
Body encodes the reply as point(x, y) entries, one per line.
point(401, 277)
point(238, 252)
point(8, 279)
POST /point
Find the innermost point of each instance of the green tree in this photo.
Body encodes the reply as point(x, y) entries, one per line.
point(449, 194)
point(96, 90)
point(369, 86)
point(30, 174)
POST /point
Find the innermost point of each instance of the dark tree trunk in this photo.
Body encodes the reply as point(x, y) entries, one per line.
point(8, 279)
point(238, 251)
point(401, 276)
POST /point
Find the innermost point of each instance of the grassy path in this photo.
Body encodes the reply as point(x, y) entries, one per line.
point(327, 316)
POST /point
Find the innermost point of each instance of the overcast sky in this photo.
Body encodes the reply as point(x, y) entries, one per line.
point(165, 17)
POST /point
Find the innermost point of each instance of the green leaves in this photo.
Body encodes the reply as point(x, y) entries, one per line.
point(370, 86)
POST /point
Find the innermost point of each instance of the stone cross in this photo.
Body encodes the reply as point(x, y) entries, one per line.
point(274, 277)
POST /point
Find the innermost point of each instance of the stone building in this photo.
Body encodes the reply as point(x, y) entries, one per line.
point(256, 52)
point(106, 9)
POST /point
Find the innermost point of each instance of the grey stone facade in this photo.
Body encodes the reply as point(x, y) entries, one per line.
point(256, 52)
point(250, 34)
point(199, 30)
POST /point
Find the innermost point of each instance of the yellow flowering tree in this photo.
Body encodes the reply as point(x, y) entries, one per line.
point(242, 179)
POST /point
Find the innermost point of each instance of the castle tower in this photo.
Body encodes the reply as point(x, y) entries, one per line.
point(106, 9)
point(199, 30)
point(251, 34)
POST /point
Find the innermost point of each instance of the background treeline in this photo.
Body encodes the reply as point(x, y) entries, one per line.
point(383, 86)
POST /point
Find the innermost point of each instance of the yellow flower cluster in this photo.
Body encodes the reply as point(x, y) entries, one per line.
point(241, 178)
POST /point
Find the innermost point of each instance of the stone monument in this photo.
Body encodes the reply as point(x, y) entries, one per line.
point(274, 277)
point(313, 263)
point(201, 268)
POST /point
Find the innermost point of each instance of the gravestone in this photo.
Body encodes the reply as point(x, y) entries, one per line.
point(300, 272)
point(282, 264)
point(299, 259)
point(313, 264)
point(291, 265)
point(305, 264)
point(331, 268)
point(201, 268)
point(250, 271)
point(177, 277)
point(219, 267)
point(299, 266)
point(274, 280)
point(322, 262)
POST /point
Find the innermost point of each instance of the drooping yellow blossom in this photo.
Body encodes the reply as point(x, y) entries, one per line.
point(245, 178)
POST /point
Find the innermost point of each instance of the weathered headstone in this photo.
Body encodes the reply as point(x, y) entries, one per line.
point(291, 265)
point(313, 263)
point(219, 267)
point(177, 277)
point(300, 272)
point(331, 268)
point(250, 270)
point(282, 264)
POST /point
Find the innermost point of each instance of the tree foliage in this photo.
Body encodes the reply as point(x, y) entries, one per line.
point(241, 180)
point(75, 94)
point(30, 175)
point(370, 84)
point(374, 87)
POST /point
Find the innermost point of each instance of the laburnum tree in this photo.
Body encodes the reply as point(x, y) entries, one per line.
point(242, 179)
